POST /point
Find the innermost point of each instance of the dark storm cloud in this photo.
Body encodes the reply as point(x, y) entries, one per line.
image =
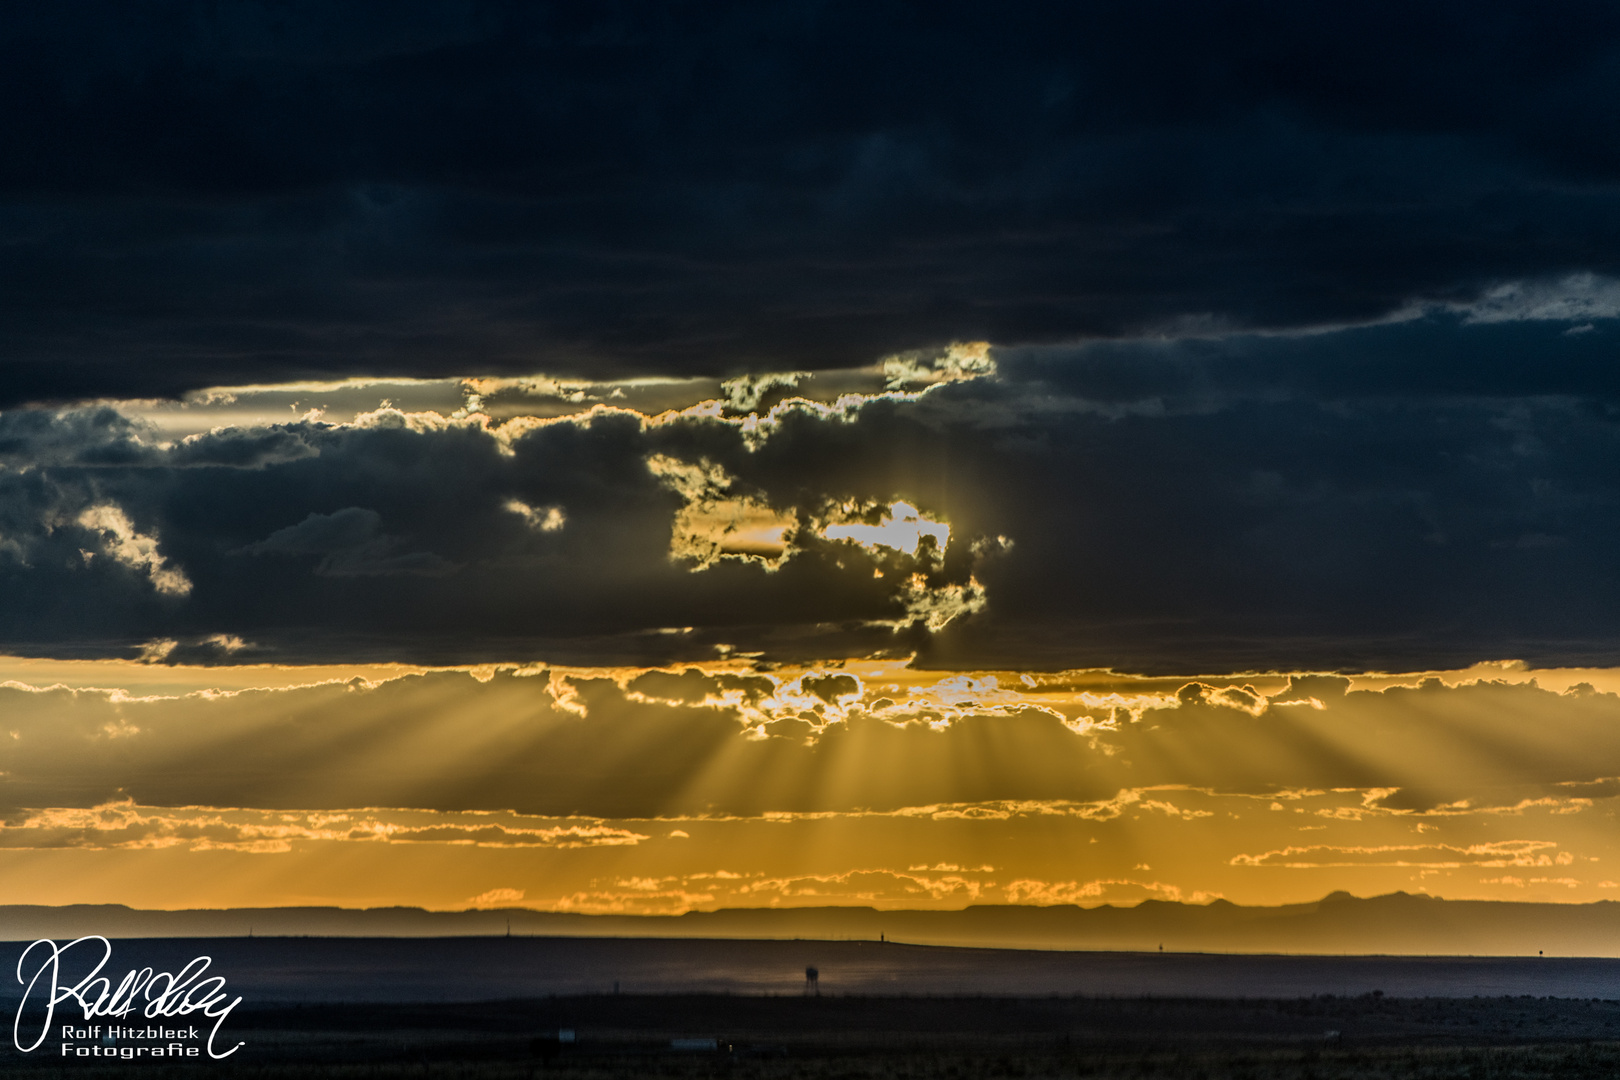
point(351, 543)
point(1370, 498)
point(210, 193)
point(1423, 360)
point(402, 538)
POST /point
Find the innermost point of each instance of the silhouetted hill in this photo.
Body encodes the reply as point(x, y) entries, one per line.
point(1398, 924)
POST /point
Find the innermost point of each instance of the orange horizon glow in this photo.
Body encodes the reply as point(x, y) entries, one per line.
point(865, 782)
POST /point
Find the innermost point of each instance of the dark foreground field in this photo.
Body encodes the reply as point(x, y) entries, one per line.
point(1552, 1062)
point(337, 971)
point(952, 1038)
point(493, 1008)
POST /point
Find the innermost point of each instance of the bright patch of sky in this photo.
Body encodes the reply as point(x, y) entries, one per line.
point(901, 528)
point(546, 396)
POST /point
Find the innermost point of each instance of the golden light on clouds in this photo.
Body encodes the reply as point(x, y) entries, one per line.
point(540, 518)
point(801, 496)
point(751, 401)
point(866, 782)
point(619, 525)
point(120, 542)
point(714, 522)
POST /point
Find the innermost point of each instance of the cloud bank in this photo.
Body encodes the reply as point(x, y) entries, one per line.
point(1410, 494)
point(662, 790)
point(203, 195)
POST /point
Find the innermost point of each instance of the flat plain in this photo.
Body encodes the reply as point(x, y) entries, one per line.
point(494, 1007)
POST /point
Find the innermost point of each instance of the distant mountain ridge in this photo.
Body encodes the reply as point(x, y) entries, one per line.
point(1393, 924)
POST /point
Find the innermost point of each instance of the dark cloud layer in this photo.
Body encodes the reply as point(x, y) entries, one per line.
point(211, 193)
point(1305, 323)
point(398, 541)
point(1307, 502)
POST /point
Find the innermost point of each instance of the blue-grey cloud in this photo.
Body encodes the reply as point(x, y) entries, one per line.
point(438, 539)
point(350, 543)
point(1305, 328)
point(1299, 501)
point(201, 193)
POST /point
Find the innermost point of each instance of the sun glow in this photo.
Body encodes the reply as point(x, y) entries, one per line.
point(901, 528)
point(870, 782)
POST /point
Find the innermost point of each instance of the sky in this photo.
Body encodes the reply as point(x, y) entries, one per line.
point(656, 457)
